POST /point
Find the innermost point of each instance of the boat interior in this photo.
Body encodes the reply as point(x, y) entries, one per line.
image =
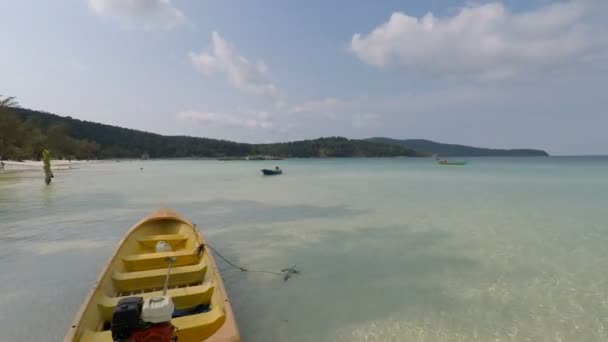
point(137, 269)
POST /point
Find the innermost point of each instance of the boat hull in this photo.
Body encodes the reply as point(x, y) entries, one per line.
point(267, 172)
point(453, 163)
point(136, 269)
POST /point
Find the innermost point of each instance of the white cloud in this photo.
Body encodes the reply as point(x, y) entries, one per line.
point(366, 120)
point(146, 14)
point(239, 119)
point(323, 105)
point(340, 111)
point(142, 13)
point(239, 71)
point(486, 41)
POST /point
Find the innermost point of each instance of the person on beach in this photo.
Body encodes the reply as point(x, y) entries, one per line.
point(48, 174)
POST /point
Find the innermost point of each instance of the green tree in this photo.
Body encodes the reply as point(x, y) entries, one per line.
point(10, 129)
point(8, 102)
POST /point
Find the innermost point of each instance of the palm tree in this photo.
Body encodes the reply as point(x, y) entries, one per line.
point(8, 102)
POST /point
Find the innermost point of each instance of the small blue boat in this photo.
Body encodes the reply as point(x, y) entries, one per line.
point(268, 172)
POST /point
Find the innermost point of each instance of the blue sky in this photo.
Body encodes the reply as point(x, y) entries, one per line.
point(498, 74)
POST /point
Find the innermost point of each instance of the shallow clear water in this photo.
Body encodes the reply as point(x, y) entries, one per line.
point(390, 249)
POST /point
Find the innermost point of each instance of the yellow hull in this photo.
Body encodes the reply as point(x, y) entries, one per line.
point(136, 269)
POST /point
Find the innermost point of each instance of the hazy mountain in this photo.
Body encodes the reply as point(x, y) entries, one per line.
point(432, 147)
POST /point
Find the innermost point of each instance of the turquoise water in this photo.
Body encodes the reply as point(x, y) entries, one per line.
point(390, 249)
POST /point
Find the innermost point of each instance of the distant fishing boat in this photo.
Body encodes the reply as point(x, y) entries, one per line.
point(457, 163)
point(269, 172)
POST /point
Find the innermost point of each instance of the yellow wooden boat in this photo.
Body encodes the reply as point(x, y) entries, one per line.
point(138, 269)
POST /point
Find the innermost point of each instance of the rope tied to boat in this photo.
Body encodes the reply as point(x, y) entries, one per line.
point(286, 273)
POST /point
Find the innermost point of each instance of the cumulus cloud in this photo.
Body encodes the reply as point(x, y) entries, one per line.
point(238, 70)
point(240, 119)
point(145, 13)
point(486, 41)
point(365, 120)
point(323, 105)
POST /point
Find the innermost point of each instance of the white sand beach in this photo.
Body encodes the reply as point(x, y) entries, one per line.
point(11, 165)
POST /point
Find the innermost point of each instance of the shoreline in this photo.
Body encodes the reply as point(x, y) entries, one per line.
point(32, 165)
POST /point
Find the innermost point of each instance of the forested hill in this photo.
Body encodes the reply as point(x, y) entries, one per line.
point(118, 142)
point(24, 133)
point(432, 147)
point(334, 147)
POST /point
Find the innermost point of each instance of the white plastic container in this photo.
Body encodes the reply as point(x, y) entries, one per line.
point(162, 246)
point(157, 309)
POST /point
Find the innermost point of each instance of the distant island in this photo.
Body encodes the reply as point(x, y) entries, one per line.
point(454, 150)
point(24, 133)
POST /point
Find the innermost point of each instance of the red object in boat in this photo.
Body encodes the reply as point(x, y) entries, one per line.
point(162, 332)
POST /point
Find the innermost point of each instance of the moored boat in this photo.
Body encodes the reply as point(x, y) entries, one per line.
point(457, 163)
point(156, 285)
point(269, 172)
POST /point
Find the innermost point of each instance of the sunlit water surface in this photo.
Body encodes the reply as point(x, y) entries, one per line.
point(390, 249)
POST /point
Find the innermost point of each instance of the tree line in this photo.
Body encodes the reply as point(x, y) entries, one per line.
point(24, 133)
point(27, 138)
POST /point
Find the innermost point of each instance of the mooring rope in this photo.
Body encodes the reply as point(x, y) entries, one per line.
point(285, 273)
